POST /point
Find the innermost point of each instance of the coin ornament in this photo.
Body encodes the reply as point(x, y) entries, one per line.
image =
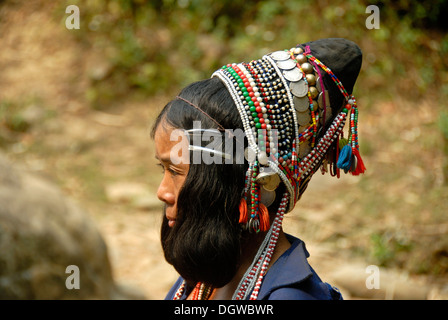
point(286, 64)
point(299, 88)
point(293, 75)
point(301, 104)
point(268, 178)
point(320, 100)
point(280, 55)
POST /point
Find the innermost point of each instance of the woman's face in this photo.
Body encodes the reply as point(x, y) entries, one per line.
point(175, 168)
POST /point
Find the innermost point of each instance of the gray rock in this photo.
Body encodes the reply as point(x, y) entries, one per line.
point(41, 234)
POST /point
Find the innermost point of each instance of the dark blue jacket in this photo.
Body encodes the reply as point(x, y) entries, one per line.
point(289, 278)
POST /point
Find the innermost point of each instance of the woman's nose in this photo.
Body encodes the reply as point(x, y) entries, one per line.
point(165, 192)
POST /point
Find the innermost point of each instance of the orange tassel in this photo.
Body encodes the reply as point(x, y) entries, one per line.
point(360, 168)
point(264, 217)
point(243, 211)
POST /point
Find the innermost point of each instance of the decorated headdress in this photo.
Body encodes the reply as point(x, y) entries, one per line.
point(294, 105)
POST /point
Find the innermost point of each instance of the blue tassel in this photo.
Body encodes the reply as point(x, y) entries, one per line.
point(345, 158)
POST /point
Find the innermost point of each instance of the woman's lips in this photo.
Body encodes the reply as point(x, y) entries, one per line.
point(170, 215)
point(171, 219)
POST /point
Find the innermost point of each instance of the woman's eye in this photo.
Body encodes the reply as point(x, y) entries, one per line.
point(169, 169)
point(172, 172)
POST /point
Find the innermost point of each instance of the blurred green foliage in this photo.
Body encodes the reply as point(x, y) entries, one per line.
point(159, 46)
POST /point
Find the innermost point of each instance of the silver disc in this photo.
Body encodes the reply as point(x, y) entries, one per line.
point(320, 99)
point(318, 86)
point(299, 88)
point(293, 75)
point(286, 64)
point(280, 55)
point(301, 104)
point(267, 197)
point(303, 118)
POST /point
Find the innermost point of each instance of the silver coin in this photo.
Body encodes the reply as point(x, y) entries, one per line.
point(293, 75)
point(267, 197)
point(320, 99)
point(270, 180)
point(301, 104)
point(303, 118)
point(280, 55)
point(286, 64)
point(299, 88)
point(318, 86)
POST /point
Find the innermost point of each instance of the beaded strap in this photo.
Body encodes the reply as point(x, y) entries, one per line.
point(353, 139)
point(251, 281)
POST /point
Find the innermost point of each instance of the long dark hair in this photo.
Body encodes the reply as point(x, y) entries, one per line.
point(204, 244)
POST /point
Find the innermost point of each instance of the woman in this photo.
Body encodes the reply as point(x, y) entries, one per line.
point(225, 193)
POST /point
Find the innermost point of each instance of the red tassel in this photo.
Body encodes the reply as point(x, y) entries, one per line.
point(360, 168)
point(264, 217)
point(243, 211)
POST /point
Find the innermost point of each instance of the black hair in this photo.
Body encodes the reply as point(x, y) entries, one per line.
point(204, 244)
